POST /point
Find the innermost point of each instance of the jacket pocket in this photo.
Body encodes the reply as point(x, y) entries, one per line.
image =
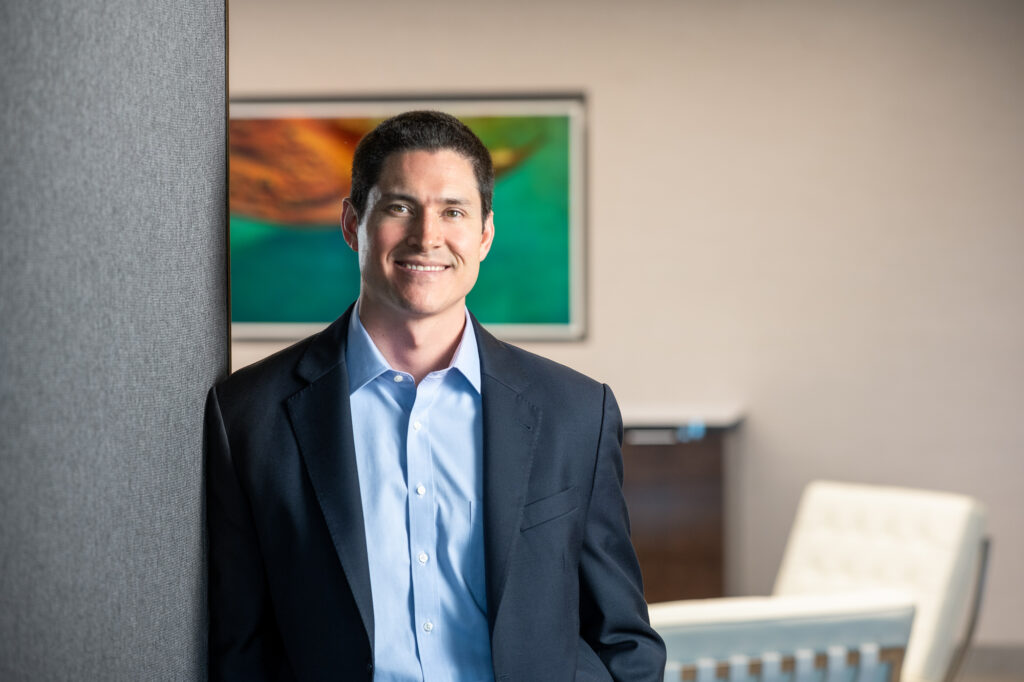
point(550, 508)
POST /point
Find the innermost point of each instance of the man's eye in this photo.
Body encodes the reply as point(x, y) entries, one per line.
point(398, 208)
point(453, 213)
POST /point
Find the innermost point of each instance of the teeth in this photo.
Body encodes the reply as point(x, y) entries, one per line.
point(423, 268)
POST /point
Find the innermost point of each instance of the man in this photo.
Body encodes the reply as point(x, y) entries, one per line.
point(402, 496)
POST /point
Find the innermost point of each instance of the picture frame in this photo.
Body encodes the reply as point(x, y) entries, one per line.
point(289, 166)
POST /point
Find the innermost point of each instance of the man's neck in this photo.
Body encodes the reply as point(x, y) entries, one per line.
point(418, 346)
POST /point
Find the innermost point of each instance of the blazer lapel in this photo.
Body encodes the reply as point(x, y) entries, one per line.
point(322, 423)
point(510, 425)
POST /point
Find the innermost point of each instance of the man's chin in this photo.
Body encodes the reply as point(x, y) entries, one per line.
point(426, 312)
point(419, 309)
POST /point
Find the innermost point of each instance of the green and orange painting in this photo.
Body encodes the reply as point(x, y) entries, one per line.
point(290, 264)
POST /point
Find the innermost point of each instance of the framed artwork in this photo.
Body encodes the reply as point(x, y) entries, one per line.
point(290, 162)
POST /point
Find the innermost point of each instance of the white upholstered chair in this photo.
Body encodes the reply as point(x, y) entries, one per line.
point(842, 637)
point(930, 544)
point(848, 538)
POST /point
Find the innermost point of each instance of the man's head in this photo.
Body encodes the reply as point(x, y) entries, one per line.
point(419, 217)
point(419, 130)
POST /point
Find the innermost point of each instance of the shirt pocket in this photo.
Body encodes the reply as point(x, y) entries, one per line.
point(550, 508)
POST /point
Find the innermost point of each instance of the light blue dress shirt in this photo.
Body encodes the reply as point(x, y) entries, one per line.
point(419, 452)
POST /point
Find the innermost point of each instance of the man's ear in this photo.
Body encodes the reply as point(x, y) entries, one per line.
point(487, 236)
point(350, 224)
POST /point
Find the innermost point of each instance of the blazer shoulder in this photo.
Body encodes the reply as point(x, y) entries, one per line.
point(541, 378)
point(272, 371)
point(540, 367)
point(287, 371)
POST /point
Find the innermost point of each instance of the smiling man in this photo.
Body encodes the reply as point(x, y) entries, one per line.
point(402, 497)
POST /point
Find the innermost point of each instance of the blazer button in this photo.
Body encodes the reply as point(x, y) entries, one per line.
point(369, 667)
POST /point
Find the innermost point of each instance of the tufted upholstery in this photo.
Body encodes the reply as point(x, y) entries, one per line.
point(735, 631)
point(850, 537)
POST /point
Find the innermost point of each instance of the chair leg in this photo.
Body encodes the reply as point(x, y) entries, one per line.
point(975, 609)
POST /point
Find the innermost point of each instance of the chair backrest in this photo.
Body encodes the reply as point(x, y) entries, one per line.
point(851, 537)
point(858, 636)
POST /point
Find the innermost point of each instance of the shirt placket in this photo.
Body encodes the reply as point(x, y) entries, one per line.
point(422, 526)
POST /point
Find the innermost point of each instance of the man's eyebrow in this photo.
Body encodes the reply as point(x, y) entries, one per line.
point(398, 196)
point(447, 201)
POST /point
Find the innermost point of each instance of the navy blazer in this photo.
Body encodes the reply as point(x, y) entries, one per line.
point(289, 588)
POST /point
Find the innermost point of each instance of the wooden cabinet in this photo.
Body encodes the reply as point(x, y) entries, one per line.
point(673, 489)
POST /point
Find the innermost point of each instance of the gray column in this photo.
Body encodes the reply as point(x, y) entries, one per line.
point(113, 323)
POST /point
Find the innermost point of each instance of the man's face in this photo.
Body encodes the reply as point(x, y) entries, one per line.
point(421, 237)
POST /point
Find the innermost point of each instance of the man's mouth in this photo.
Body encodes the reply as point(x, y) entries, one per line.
point(420, 267)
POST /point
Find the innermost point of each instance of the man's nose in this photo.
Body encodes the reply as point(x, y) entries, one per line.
point(427, 232)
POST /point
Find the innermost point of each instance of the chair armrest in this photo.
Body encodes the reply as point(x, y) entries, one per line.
point(720, 630)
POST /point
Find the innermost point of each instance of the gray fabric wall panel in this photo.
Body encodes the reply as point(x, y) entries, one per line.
point(113, 323)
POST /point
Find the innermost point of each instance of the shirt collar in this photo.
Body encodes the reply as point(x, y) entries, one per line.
point(365, 361)
point(467, 355)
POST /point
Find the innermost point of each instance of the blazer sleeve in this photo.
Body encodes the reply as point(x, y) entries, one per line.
point(613, 613)
point(244, 643)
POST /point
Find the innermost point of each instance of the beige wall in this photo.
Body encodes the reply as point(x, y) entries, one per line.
point(811, 210)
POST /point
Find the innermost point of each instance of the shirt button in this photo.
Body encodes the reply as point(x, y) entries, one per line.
point(428, 626)
point(420, 490)
point(423, 557)
point(399, 378)
point(417, 426)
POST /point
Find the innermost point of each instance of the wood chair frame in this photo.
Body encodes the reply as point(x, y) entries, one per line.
point(893, 656)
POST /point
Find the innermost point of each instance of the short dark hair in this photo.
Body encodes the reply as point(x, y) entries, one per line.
point(419, 130)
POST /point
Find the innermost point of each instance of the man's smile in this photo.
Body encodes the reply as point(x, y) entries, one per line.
point(421, 267)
